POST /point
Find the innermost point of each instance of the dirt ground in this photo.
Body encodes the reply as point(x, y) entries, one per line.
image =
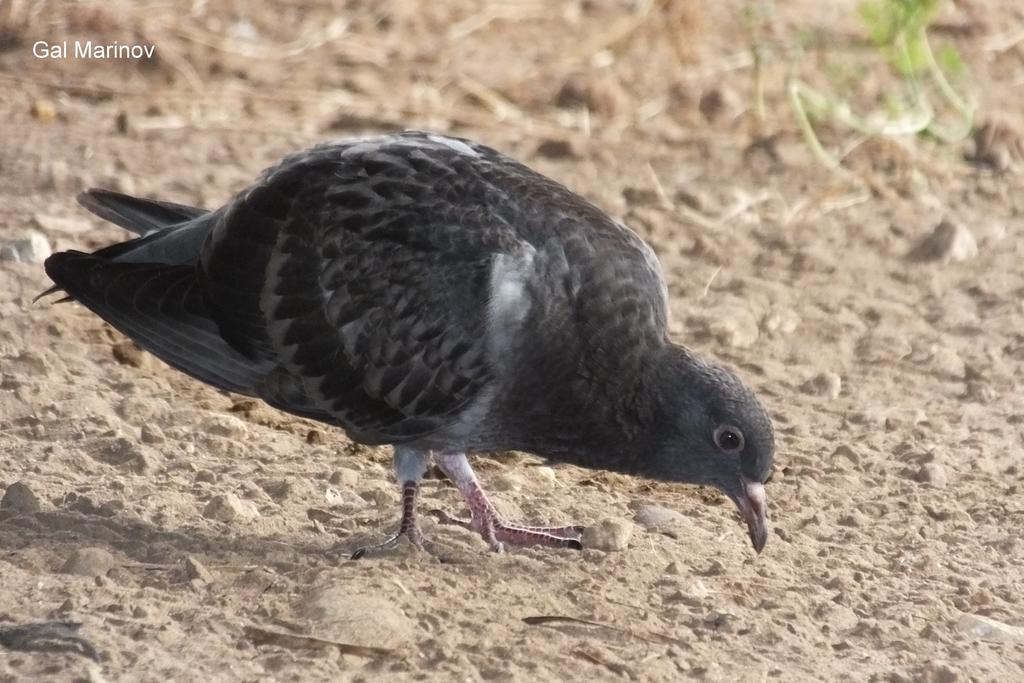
point(195, 535)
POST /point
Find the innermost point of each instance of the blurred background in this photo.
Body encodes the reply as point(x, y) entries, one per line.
point(591, 79)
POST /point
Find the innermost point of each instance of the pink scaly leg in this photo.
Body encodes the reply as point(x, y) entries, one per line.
point(484, 518)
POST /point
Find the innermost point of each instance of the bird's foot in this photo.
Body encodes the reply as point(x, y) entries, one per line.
point(498, 533)
point(485, 520)
point(412, 534)
point(409, 527)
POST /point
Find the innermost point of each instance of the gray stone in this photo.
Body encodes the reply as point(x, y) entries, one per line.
point(20, 498)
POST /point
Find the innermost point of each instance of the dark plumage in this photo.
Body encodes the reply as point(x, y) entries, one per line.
point(431, 293)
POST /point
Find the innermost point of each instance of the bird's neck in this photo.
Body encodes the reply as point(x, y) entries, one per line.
point(610, 420)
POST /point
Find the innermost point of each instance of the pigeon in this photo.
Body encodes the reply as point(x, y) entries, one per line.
point(433, 294)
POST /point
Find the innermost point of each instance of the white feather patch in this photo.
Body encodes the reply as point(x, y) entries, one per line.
point(451, 143)
point(509, 302)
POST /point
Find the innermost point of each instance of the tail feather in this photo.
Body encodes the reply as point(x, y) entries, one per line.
point(169, 233)
point(161, 308)
point(136, 214)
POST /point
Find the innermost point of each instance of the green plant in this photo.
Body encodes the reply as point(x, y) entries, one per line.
point(898, 29)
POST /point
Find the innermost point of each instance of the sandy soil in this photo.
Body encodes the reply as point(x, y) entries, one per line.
point(893, 373)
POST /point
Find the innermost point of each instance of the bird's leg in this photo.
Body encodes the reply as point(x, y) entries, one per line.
point(410, 466)
point(485, 520)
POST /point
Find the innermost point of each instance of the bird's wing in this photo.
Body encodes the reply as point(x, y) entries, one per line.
point(363, 270)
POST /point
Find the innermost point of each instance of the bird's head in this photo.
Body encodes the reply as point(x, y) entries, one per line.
point(710, 429)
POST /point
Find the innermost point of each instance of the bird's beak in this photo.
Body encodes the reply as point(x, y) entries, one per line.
point(753, 505)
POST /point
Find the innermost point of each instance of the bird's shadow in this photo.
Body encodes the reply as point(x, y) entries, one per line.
point(59, 531)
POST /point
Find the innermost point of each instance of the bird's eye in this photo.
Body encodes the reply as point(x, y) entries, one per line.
point(729, 438)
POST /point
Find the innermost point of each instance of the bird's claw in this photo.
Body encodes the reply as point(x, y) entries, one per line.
point(413, 535)
point(498, 533)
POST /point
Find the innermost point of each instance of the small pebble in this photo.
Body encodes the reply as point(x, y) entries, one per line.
point(128, 353)
point(980, 392)
point(33, 248)
point(825, 384)
point(933, 474)
point(735, 326)
point(89, 562)
point(226, 426)
point(719, 103)
point(997, 144)
point(346, 477)
point(544, 476)
point(508, 481)
point(556, 149)
point(602, 96)
point(608, 534)
point(948, 243)
point(127, 454)
point(20, 498)
point(57, 176)
point(44, 110)
point(986, 628)
point(852, 519)
point(847, 451)
point(940, 672)
point(382, 494)
point(698, 590)
point(228, 507)
point(278, 489)
point(719, 620)
point(195, 570)
point(152, 434)
point(948, 363)
point(122, 124)
point(659, 519)
point(781, 322)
